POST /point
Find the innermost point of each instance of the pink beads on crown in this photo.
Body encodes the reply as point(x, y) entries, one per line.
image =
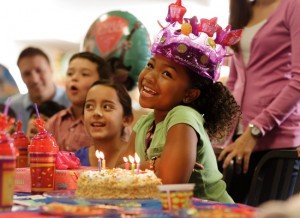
point(200, 46)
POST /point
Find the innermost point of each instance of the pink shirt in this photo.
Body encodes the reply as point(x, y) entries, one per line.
point(69, 133)
point(268, 88)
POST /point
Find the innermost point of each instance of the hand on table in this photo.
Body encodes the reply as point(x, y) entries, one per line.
point(241, 149)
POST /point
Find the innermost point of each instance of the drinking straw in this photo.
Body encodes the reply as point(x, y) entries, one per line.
point(7, 103)
point(19, 116)
point(36, 110)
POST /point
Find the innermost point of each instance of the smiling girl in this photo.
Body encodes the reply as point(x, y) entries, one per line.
point(190, 107)
point(107, 112)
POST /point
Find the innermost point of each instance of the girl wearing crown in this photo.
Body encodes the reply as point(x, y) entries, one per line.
point(190, 106)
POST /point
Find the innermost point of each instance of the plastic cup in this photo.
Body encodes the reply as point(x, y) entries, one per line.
point(21, 143)
point(176, 196)
point(7, 171)
point(42, 171)
point(42, 156)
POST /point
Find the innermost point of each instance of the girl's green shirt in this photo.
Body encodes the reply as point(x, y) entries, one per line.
point(208, 181)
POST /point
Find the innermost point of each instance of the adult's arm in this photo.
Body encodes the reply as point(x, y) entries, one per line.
point(285, 102)
point(232, 75)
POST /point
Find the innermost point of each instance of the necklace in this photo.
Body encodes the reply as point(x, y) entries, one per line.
point(149, 136)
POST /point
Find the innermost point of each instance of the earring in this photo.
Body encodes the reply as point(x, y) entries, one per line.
point(186, 100)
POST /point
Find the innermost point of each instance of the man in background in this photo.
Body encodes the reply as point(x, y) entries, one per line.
point(37, 74)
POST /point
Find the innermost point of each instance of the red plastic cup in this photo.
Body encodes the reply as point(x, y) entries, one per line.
point(21, 143)
point(7, 170)
point(42, 156)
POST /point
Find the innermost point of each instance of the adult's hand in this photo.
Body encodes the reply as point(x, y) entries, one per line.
point(241, 149)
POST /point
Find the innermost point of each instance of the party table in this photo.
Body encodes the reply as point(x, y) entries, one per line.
point(36, 206)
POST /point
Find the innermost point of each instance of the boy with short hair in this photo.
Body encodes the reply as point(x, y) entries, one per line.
point(67, 126)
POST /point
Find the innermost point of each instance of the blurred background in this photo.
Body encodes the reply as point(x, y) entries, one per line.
point(59, 26)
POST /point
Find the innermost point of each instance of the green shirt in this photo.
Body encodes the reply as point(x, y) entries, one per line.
point(209, 183)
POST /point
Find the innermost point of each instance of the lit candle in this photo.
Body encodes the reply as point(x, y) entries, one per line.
point(103, 162)
point(98, 155)
point(137, 160)
point(131, 160)
point(126, 163)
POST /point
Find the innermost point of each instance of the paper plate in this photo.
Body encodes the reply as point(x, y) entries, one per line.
point(68, 197)
point(68, 210)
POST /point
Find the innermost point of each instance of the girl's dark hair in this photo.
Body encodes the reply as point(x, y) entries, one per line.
point(122, 93)
point(240, 12)
point(101, 63)
point(216, 104)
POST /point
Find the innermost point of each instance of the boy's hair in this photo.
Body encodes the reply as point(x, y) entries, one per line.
point(122, 93)
point(102, 68)
point(216, 104)
point(32, 51)
point(48, 108)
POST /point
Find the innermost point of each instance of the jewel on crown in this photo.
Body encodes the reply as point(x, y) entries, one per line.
point(199, 45)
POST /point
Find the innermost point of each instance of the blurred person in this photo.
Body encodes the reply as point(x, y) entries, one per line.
point(46, 110)
point(265, 80)
point(36, 73)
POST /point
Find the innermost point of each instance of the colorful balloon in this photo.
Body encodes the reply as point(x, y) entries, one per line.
point(8, 85)
point(123, 41)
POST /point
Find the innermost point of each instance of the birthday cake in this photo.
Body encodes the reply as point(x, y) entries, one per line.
point(117, 183)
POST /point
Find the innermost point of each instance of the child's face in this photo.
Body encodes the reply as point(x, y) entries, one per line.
point(81, 74)
point(162, 84)
point(103, 113)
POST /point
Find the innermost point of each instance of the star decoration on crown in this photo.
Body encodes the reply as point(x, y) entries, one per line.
point(227, 36)
point(208, 26)
point(224, 37)
point(176, 12)
point(194, 24)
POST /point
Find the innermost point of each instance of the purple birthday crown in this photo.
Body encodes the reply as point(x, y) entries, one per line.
point(200, 47)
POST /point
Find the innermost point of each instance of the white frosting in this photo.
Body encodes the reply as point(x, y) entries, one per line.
point(117, 183)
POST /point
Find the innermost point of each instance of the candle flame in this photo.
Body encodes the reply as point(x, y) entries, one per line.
point(137, 158)
point(131, 159)
point(125, 159)
point(97, 153)
point(101, 155)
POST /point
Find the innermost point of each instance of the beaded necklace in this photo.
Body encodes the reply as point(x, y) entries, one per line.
point(149, 136)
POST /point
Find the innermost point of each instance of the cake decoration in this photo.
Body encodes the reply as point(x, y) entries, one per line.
point(117, 183)
point(200, 46)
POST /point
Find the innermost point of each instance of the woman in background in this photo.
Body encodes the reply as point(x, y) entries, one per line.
point(265, 80)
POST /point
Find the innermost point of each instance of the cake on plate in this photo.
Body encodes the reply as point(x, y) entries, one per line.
point(117, 183)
